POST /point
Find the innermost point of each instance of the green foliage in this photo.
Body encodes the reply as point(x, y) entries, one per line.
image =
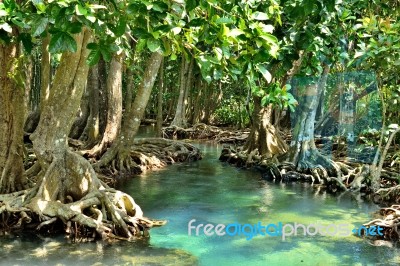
point(230, 113)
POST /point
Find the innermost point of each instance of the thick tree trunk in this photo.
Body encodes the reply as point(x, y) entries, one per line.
point(303, 153)
point(180, 114)
point(103, 101)
point(68, 189)
point(263, 135)
point(160, 100)
point(45, 76)
point(198, 103)
point(82, 118)
point(121, 147)
point(44, 80)
point(92, 130)
point(114, 107)
point(50, 140)
point(12, 176)
point(129, 89)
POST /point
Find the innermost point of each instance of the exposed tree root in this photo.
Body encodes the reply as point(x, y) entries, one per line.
point(146, 154)
point(75, 197)
point(389, 221)
point(202, 131)
point(313, 168)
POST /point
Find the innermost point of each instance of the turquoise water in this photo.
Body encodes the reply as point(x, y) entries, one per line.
point(214, 192)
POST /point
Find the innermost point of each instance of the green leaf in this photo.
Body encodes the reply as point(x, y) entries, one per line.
point(74, 27)
point(218, 53)
point(160, 7)
point(61, 42)
point(235, 32)
point(80, 10)
point(153, 44)
point(163, 28)
point(263, 70)
point(39, 26)
point(259, 15)
point(106, 55)
point(119, 30)
point(271, 39)
point(140, 33)
point(224, 20)
point(92, 46)
point(93, 57)
point(191, 4)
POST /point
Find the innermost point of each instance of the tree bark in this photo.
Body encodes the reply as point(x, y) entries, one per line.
point(263, 135)
point(160, 100)
point(103, 102)
point(121, 147)
point(180, 114)
point(114, 107)
point(303, 152)
point(45, 76)
point(44, 81)
point(82, 118)
point(92, 130)
point(12, 176)
point(50, 140)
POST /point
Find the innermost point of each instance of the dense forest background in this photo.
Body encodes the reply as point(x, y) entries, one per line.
point(77, 78)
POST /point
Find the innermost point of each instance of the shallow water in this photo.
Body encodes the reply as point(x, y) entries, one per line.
point(214, 192)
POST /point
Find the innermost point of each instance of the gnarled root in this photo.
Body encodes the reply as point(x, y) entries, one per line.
point(146, 154)
point(76, 198)
point(389, 221)
point(206, 132)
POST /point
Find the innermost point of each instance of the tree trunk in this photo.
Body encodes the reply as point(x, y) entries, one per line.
point(121, 147)
point(44, 80)
point(103, 102)
point(68, 189)
point(198, 104)
point(114, 107)
point(303, 152)
point(129, 89)
point(82, 118)
point(12, 176)
point(180, 117)
point(160, 101)
point(45, 76)
point(263, 135)
point(92, 130)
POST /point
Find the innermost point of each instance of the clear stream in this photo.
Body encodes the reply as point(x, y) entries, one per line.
point(214, 192)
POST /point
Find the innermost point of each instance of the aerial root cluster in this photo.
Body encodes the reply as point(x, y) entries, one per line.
point(147, 154)
point(104, 213)
point(202, 131)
